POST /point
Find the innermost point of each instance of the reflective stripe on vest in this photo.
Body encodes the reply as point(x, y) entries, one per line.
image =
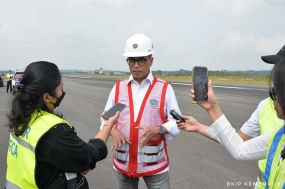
point(133, 160)
point(268, 121)
point(10, 185)
point(151, 159)
point(152, 149)
point(274, 173)
point(23, 143)
point(121, 153)
point(141, 158)
point(149, 149)
point(21, 160)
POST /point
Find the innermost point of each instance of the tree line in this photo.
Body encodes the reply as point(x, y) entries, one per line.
point(216, 73)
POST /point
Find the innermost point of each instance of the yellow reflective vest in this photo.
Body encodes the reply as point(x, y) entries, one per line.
point(268, 121)
point(8, 77)
point(21, 160)
point(275, 170)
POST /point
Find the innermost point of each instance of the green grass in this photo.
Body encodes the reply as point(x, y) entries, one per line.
point(260, 79)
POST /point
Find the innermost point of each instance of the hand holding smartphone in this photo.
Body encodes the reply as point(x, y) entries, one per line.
point(200, 83)
point(176, 116)
point(112, 111)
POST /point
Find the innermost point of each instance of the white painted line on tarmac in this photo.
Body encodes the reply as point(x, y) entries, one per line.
point(187, 84)
point(80, 77)
point(5, 109)
point(215, 86)
point(230, 87)
point(181, 83)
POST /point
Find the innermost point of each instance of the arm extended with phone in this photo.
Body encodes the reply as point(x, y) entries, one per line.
point(112, 111)
point(176, 116)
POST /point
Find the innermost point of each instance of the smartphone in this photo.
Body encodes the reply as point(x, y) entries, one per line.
point(176, 116)
point(200, 83)
point(112, 111)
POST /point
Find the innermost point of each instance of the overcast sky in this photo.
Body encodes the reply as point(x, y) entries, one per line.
point(89, 34)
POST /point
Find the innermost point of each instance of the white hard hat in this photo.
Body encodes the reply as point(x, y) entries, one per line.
point(138, 45)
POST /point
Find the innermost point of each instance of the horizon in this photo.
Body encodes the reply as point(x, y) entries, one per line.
point(155, 70)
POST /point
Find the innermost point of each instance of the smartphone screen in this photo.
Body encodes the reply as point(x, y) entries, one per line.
point(200, 83)
point(112, 111)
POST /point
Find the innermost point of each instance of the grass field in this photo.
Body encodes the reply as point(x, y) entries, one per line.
point(260, 80)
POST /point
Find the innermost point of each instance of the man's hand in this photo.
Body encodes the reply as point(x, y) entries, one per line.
point(118, 139)
point(148, 133)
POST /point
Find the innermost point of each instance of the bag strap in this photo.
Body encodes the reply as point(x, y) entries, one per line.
point(58, 182)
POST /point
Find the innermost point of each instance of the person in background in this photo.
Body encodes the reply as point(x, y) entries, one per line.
point(9, 77)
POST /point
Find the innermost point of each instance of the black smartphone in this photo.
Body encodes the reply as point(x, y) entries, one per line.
point(200, 83)
point(112, 111)
point(176, 116)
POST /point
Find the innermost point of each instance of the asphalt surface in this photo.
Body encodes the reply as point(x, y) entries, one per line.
point(195, 161)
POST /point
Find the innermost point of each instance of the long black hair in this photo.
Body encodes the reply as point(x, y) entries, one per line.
point(279, 83)
point(39, 78)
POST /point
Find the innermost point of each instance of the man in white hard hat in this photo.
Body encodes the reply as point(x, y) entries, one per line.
point(139, 137)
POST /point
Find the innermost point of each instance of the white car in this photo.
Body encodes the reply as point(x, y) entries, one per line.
point(17, 79)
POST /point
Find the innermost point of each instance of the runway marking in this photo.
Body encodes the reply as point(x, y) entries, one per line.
point(181, 83)
point(230, 87)
point(186, 84)
point(80, 77)
point(5, 109)
point(214, 86)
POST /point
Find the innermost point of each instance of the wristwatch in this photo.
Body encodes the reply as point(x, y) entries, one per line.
point(160, 129)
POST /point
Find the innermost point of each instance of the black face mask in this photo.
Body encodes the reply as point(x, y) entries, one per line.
point(59, 99)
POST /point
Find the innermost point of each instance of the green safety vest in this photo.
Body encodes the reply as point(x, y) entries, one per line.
point(8, 77)
point(268, 121)
point(21, 159)
point(275, 172)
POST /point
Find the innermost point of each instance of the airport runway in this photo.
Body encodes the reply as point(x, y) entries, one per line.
point(195, 162)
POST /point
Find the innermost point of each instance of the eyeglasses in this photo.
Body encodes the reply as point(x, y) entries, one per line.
point(140, 61)
point(272, 93)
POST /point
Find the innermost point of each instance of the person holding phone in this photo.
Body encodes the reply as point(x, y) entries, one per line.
point(269, 145)
point(44, 149)
point(262, 120)
point(139, 137)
